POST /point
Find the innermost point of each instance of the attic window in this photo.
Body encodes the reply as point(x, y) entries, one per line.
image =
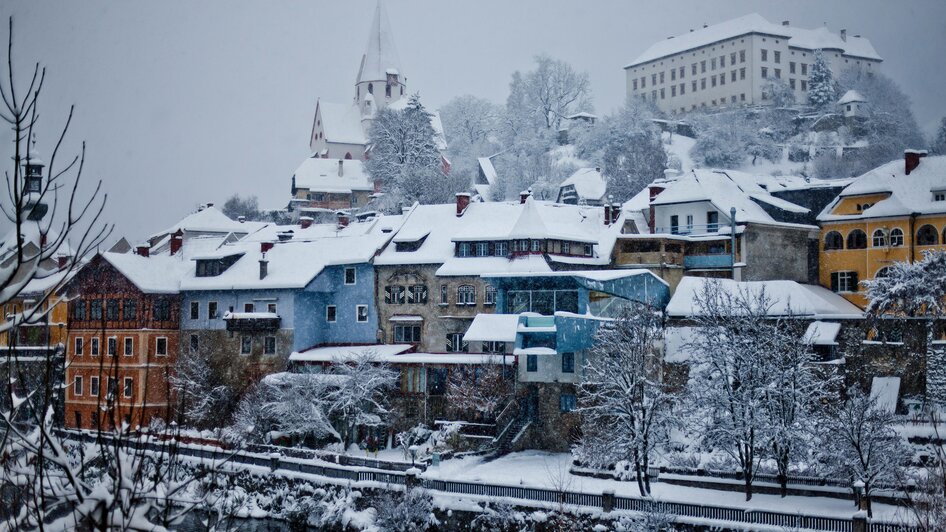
point(214, 267)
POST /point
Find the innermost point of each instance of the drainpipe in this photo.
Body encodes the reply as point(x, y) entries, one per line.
point(913, 216)
point(732, 240)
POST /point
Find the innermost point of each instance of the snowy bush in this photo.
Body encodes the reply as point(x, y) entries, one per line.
point(499, 517)
point(405, 512)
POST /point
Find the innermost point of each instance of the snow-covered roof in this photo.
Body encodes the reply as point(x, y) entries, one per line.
point(725, 189)
point(209, 220)
point(489, 171)
point(823, 333)
point(341, 123)
point(492, 328)
point(589, 184)
point(884, 392)
point(906, 193)
point(380, 56)
point(582, 114)
point(787, 297)
point(332, 353)
point(157, 274)
point(850, 97)
point(455, 266)
point(321, 175)
point(808, 39)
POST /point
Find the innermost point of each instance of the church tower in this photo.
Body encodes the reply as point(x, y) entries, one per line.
point(380, 79)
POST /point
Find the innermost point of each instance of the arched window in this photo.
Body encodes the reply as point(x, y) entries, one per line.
point(927, 236)
point(896, 237)
point(883, 272)
point(857, 239)
point(370, 88)
point(833, 240)
point(878, 239)
point(466, 294)
point(348, 155)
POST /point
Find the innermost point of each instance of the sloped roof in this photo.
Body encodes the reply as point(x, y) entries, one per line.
point(907, 193)
point(209, 220)
point(851, 96)
point(321, 175)
point(380, 55)
point(157, 274)
point(488, 170)
point(809, 39)
point(341, 123)
point(800, 299)
point(588, 183)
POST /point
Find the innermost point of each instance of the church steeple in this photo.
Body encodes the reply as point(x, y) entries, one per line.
point(380, 73)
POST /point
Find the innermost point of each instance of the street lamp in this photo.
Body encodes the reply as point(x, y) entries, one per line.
point(858, 487)
point(413, 450)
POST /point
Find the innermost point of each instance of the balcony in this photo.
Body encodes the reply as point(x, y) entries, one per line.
point(252, 321)
point(707, 262)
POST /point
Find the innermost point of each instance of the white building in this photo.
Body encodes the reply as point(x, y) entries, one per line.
point(728, 63)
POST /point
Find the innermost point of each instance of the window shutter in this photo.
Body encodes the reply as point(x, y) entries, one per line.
point(834, 282)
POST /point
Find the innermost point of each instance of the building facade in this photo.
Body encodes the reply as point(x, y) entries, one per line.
point(728, 64)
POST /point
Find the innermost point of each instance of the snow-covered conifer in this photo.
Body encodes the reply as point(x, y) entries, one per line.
point(822, 91)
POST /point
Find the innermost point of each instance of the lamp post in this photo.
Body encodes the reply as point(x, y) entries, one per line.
point(413, 450)
point(858, 487)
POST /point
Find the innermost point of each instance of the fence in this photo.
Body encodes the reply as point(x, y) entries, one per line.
point(698, 511)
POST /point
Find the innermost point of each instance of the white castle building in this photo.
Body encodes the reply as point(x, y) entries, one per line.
point(728, 64)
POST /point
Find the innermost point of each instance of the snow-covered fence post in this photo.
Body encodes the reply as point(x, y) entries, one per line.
point(859, 522)
point(410, 478)
point(607, 501)
point(274, 460)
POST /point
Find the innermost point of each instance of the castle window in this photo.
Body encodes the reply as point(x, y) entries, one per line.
point(927, 236)
point(833, 240)
point(857, 239)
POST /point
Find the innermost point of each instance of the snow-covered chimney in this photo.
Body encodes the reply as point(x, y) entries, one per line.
point(177, 241)
point(784, 23)
point(263, 267)
point(209, 205)
point(305, 222)
point(844, 35)
point(911, 159)
point(463, 201)
point(143, 251)
point(241, 219)
point(341, 168)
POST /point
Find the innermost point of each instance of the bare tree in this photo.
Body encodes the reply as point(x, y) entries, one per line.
point(360, 398)
point(480, 392)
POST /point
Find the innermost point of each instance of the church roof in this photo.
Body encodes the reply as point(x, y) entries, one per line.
point(341, 123)
point(380, 56)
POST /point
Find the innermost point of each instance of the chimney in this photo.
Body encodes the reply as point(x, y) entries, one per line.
point(263, 267)
point(341, 168)
point(177, 241)
point(241, 219)
point(607, 213)
point(265, 246)
point(524, 195)
point(201, 207)
point(463, 201)
point(844, 35)
point(705, 25)
point(784, 23)
point(209, 205)
point(615, 210)
point(305, 222)
point(144, 251)
point(342, 219)
point(911, 159)
point(654, 192)
point(285, 236)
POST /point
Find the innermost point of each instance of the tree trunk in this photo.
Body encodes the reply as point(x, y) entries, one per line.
point(639, 474)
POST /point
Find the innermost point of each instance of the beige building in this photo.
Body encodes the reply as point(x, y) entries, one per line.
point(729, 63)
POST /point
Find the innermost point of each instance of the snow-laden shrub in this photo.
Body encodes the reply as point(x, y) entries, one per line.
point(405, 512)
point(499, 517)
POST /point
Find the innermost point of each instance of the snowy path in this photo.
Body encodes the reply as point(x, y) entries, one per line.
point(548, 470)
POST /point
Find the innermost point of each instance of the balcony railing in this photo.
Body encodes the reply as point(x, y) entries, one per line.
point(692, 229)
point(251, 321)
point(707, 261)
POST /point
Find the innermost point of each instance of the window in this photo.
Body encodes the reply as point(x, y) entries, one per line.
point(269, 345)
point(94, 386)
point(804, 84)
point(568, 362)
point(939, 196)
point(778, 56)
point(635, 84)
point(712, 81)
point(161, 346)
point(927, 236)
point(833, 240)
point(417, 294)
point(674, 224)
point(567, 402)
point(673, 75)
point(722, 61)
point(589, 250)
point(129, 348)
point(349, 276)
point(683, 72)
point(361, 313)
point(804, 71)
point(857, 239)
point(703, 84)
point(878, 239)
point(662, 93)
point(702, 67)
point(693, 85)
point(653, 79)
point(394, 294)
point(689, 223)
point(765, 55)
point(246, 345)
point(742, 73)
point(415, 379)
point(791, 67)
point(501, 249)
point(77, 349)
point(407, 334)
point(78, 310)
point(443, 294)
point(489, 295)
point(713, 64)
point(532, 363)
point(791, 83)
point(778, 73)
point(683, 90)
point(195, 310)
point(94, 347)
point(742, 56)
point(466, 294)
point(844, 281)
point(673, 90)
point(162, 310)
point(271, 308)
point(77, 385)
point(455, 343)
point(765, 72)
point(643, 82)
point(536, 246)
point(128, 386)
point(896, 237)
point(195, 343)
point(95, 309)
point(494, 347)
point(482, 249)
point(566, 248)
point(111, 309)
point(249, 307)
point(129, 309)
point(212, 310)
point(693, 69)
point(883, 272)
point(732, 76)
point(330, 313)
point(712, 221)
point(732, 58)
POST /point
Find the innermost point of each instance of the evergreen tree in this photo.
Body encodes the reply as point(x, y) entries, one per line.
point(821, 89)
point(939, 142)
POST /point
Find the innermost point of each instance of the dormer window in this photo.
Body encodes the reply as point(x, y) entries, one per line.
point(939, 195)
point(216, 266)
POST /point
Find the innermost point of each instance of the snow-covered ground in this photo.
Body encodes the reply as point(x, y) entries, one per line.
point(550, 470)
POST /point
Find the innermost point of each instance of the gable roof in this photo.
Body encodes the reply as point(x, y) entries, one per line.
point(341, 123)
point(321, 175)
point(208, 220)
point(158, 274)
point(588, 182)
point(907, 193)
point(380, 55)
point(803, 300)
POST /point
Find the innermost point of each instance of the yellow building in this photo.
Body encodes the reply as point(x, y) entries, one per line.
point(892, 213)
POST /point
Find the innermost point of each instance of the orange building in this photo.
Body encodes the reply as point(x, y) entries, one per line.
point(123, 340)
point(892, 213)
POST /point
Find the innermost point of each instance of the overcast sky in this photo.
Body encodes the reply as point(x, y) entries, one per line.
point(182, 103)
